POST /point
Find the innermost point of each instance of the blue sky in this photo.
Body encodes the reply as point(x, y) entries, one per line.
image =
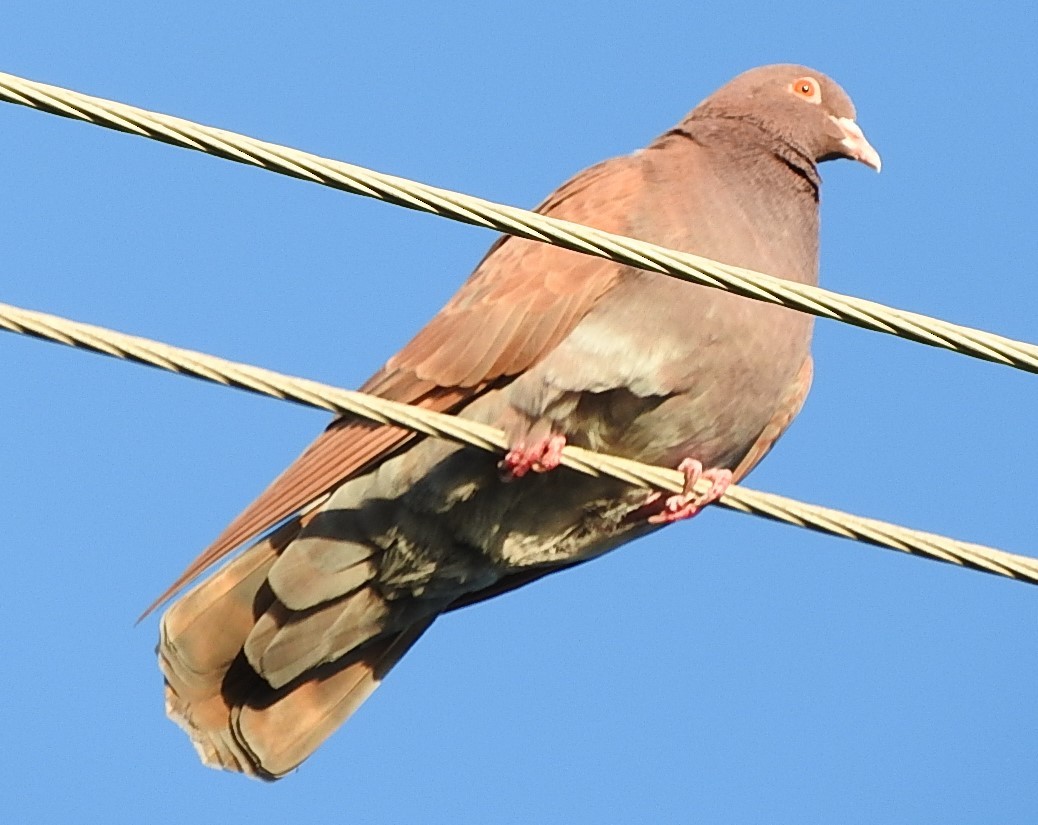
point(724, 670)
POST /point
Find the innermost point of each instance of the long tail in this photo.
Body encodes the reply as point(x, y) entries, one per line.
point(235, 719)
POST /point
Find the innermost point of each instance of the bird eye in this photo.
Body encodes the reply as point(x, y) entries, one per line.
point(807, 87)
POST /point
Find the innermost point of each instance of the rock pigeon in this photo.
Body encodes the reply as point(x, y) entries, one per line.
point(377, 530)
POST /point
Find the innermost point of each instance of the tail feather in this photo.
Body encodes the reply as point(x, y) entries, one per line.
point(279, 729)
point(234, 717)
point(202, 632)
point(286, 644)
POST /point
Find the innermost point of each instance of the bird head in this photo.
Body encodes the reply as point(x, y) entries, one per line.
point(800, 106)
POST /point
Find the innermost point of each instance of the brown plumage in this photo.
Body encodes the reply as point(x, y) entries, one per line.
point(386, 530)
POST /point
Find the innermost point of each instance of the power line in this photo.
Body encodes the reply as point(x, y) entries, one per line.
point(402, 192)
point(440, 425)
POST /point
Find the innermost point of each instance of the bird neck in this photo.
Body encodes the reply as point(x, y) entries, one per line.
point(726, 187)
point(750, 144)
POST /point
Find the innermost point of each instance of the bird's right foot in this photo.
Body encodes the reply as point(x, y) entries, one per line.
point(540, 457)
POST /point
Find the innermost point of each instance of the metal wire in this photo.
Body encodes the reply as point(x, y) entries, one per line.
point(439, 425)
point(814, 300)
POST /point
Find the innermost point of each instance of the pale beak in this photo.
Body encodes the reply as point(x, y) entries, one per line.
point(854, 144)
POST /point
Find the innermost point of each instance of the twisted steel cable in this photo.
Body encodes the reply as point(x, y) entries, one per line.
point(439, 425)
point(445, 203)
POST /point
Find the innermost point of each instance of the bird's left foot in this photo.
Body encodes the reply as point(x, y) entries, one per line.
point(541, 456)
point(688, 502)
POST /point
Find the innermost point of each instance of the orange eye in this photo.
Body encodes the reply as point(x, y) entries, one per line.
point(807, 87)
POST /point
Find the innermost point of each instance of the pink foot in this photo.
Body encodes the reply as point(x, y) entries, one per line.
point(541, 456)
point(688, 502)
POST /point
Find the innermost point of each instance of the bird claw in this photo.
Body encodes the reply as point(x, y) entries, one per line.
point(688, 502)
point(540, 457)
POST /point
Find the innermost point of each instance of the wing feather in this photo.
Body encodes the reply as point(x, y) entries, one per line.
point(530, 294)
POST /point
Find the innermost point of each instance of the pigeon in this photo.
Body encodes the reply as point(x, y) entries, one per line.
point(375, 531)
